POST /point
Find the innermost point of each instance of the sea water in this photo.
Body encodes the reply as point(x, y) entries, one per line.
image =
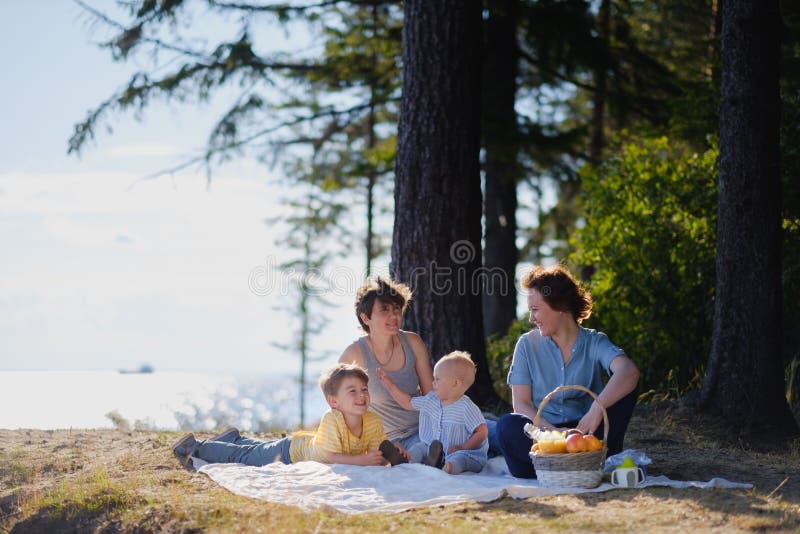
point(158, 400)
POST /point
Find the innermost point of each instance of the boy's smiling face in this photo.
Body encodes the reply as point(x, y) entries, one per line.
point(352, 398)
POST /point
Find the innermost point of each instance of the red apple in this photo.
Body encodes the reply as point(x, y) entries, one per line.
point(573, 431)
point(576, 443)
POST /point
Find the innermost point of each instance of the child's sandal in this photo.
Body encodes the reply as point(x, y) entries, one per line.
point(392, 453)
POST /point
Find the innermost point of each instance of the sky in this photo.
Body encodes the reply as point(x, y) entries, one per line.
point(102, 269)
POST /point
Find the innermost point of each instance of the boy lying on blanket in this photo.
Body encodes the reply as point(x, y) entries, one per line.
point(347, 433)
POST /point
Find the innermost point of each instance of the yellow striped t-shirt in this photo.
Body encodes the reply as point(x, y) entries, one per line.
point(334, 436)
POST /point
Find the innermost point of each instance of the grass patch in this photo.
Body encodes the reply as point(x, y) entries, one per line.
point(78, 500)
point(16, 469)
point(128, 481)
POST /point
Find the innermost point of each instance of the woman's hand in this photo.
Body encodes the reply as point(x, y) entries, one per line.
point(589, 422)
point(455, 448)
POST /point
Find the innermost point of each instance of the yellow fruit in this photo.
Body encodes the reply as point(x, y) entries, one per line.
point(553, 447)
point(535, 447)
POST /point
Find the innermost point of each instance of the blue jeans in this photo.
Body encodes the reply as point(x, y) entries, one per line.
point(246, 451)
point(494, 443)
point(461, 463)
point(516, 445)
point(409, 441)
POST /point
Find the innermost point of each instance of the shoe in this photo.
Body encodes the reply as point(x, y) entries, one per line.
point(184, 448)
point(435, 456)
point(229, 435)
point(392, 453)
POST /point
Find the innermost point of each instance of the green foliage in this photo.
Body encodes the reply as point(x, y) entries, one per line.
point(499, 350)
point(682, 36)
point(337, 99)
point(650, 232)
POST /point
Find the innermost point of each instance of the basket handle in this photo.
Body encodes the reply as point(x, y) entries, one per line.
point(559, 389)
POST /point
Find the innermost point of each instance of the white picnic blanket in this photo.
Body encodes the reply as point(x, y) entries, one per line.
point(354, 489)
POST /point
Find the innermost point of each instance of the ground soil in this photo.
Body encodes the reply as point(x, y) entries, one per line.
point(47, 476)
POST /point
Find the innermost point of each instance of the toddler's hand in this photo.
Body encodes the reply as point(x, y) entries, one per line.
point(454, 448)
point(374, 458)
point(382, 376)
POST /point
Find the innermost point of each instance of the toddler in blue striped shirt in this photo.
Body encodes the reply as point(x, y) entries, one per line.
point(452, 429)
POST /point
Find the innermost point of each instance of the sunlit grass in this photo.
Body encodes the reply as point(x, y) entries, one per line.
point(89, 494)
point(95, 481)
point(16, 469)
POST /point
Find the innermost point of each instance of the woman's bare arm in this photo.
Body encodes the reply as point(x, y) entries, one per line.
point(422, 362)
point(352, 354)
point(521, 395)
point(624, 377)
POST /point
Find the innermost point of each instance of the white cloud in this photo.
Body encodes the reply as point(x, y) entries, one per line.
point(105, 275)
point(144, 150)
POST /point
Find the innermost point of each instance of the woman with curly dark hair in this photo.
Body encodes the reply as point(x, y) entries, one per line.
point(558, 352)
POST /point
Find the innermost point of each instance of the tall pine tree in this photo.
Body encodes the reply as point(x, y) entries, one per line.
point(437, 231)
point(744, 381)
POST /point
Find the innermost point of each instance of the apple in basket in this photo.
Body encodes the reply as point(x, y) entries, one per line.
point(592, 443)
point(575, 442)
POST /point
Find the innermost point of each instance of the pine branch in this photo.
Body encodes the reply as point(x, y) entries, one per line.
point(553, 72)
point(210, 153)
point(285, 8)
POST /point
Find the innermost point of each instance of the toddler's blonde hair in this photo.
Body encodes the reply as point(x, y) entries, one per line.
point(463, 366)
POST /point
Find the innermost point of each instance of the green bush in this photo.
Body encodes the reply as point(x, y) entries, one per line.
point(650, 234)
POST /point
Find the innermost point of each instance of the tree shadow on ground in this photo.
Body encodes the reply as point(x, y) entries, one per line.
point(686, 445)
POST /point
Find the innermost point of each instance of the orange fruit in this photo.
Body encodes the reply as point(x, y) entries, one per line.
point(553, 447)
point(592, 443)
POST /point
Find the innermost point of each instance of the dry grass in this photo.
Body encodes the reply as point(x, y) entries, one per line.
point(128, 481)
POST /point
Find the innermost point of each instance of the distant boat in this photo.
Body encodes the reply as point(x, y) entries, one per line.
point(145, 368)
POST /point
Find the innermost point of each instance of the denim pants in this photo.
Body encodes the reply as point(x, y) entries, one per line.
point(461, 463)
point(246, 451)
point(417, 452)
point(409, 441)
point(515, 444)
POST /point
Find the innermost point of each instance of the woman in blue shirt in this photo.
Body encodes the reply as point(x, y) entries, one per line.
point(558, 352)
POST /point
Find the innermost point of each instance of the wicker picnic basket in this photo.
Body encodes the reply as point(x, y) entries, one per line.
point(575, 469)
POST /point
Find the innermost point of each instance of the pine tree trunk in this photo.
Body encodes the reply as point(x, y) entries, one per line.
point(436, 245)
point(745, 379)
point(501, 169)
point(601, 88)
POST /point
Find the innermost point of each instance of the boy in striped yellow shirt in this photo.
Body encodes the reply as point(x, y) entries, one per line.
point(347, 434)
